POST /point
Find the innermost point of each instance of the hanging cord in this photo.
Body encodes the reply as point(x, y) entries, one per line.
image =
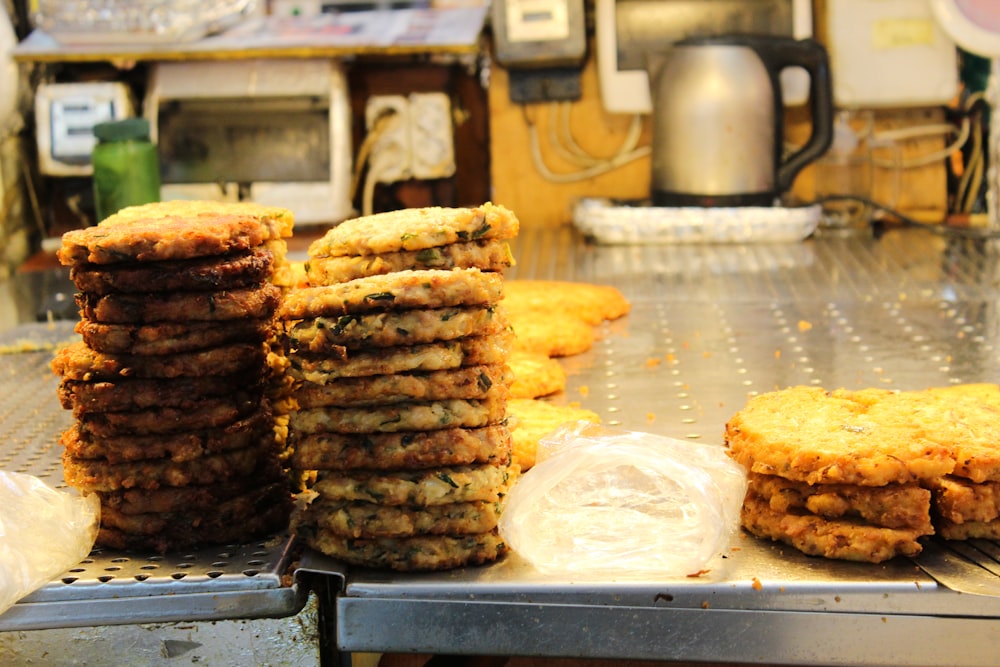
point(909, 221)
point(572, 152)
point(967, 189)
point(379, 127)
point(964, 130)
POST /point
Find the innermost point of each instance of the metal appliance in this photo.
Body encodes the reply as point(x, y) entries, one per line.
point(275, 132)
point(713, 143)
point(718, 119)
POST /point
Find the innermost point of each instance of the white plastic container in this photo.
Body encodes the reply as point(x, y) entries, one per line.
point(889, 53)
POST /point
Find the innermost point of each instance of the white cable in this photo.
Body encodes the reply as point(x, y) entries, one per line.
point(379, 127)
point(572, 152)
point(583, 174)
point(921, 160)
point(564, 136)
point(561, 138)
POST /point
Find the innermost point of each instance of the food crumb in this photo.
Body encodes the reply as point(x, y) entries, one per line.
point(584, 390)
point(698, 573)
point(777, 354)
point(652, 362)
point(650, 417)
point(757, 586)
point(804, 325)
point(704, 605)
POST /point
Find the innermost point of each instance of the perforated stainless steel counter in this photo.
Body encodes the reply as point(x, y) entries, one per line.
point(230, 582)
point(709, 326)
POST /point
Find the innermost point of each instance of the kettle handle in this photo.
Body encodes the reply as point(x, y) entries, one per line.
point(777, 54)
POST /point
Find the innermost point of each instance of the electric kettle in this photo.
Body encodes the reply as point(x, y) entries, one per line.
point(718, 129)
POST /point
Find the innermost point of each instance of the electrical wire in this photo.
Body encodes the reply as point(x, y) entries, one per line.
point(903, 134)
point(967, 189)
point(568, 148)
point(375, 170)
point(938, 227)
point(561, 138)
point(380, 125)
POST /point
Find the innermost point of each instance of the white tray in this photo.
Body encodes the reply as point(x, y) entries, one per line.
point(611, 223)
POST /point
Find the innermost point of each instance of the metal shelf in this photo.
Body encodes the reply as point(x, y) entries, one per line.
point(113, 587)
point(710, 325)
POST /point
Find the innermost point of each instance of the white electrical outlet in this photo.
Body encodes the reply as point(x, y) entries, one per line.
point(416, 140)
point(431, 146)
point(391, 152)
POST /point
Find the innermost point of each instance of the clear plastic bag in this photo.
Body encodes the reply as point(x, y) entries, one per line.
point(43, 533)
point(623, 503)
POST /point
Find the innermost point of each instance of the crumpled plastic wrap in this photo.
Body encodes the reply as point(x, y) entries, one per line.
point(43, 533)
point(623, 504)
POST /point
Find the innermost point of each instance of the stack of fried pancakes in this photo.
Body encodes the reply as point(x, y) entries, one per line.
point(170, 384)
point(399, 353)
point(863, 475)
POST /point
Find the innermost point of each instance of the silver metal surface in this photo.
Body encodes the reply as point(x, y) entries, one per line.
point(714, 125)
point(710, 326)
point(109, 587)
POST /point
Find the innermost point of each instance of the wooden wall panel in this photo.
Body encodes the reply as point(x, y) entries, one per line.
point(516, 182)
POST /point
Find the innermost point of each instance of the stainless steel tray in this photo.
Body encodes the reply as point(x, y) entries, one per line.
point(710, 325)
point(111, 587)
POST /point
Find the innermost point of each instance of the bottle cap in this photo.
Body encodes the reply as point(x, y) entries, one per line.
point(122, 130)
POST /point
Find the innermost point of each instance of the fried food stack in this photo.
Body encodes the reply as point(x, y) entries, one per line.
point(400, 359)
point(171, 384)
point(863, 475)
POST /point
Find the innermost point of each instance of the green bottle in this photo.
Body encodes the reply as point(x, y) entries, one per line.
point(126, 166)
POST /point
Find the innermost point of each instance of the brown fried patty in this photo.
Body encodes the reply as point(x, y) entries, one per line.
point(468, 382)
point(405, 290)
point(409, 416)
point(415, 229)
point(171, 337)
point(890, 506)
point(591, 303)
point(205, 530)
point(231, 271)
point(845, 538)
point(173, 230)
point(869, 437)
point(77, 361)
point(214, 306)
point(423, 488)
point(237, 508)
point(202, 497)
point(421, 553)
point(211, 412)
point(254, 430)
point(130, 394)
point(959, 500)
point(487, 255)
point(440, 355)
point(390, 329)
point(97, 475)
point(361, 519)
point(404, 450)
